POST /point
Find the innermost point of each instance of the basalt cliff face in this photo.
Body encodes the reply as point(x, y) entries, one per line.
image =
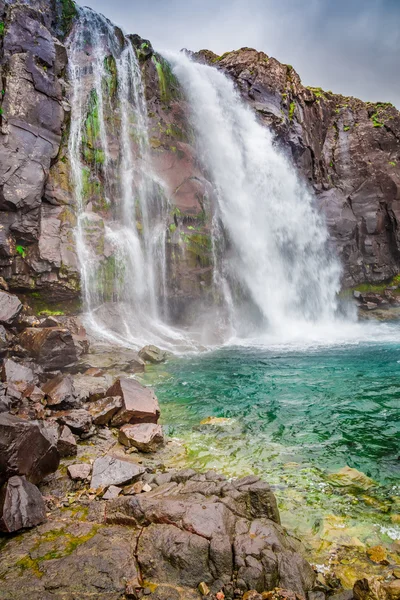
point(348, 150)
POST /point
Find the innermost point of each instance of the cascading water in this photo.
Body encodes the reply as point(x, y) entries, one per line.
point(278, 253)
point(121, 241)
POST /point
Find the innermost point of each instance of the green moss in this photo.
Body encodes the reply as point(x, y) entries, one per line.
point(317, 91)
point(218, 58)
point(91, 133)
point(21, 250)
point(68, 13)
point(109, 275)
point(111, 79)
point(392, 163)
point(2, 28)
point(168, 83)
point(199, 245)
point(172, 227)
point(375, 120)
point(292, 108)
point(378, 287)
point(346, 127)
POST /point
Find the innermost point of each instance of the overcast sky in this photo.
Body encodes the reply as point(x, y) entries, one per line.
point(351, 47)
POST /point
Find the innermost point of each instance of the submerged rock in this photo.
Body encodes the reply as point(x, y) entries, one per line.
point(21, 505)
point(351, 478)
point(146, 437)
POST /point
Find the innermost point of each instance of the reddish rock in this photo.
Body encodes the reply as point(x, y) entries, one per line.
point(140, 404)
point(21, 505)
point(79, 420)
point(22, 376)
point(52, 347)
point(25, 449)
point(66, 443)
point(10, 307)
point(79, 472)
point(59, 390)
point(103, 410)
point(146, 437)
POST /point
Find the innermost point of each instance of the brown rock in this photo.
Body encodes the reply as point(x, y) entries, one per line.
point(21, 505)
point(10, 307)
point(51, 347)
point(393, 589)
point(79, 420)
point(66, 443)
point(378, 555)
point(146, 437)
point(103, 410)
point(153, 354)
point(25, 449)
point(140, 404)
point(59, 390)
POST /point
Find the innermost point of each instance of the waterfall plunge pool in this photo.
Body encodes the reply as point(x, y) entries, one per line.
point(294, 417)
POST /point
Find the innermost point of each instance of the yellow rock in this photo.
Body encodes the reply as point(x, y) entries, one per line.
point(204, 589)
point(378, 555)
point(395, 518)
point(348, 477)
point(215, 421)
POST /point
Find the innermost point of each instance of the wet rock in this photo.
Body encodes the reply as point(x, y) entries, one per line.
point(351, 478)
point(10, 307)
point(60, 391)
point(112, 471)
point(51, 347)
point(79, 420)
point(103, 410)
point(153, 354)
point(378, 555)
point(146, 437)
point(66, 443)
point(140, 404)
point(25, 449)
point(79, 472)
point(21, 505)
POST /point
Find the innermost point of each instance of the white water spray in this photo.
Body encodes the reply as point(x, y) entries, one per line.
point(278, 253)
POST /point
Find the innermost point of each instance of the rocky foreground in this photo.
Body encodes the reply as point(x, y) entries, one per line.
point(88, 508)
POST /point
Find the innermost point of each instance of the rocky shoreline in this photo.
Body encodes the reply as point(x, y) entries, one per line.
point(89, 507)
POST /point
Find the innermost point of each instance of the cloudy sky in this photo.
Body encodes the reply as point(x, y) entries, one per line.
point(347, 46)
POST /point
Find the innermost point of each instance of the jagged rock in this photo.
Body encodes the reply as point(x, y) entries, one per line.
point(6, 338)
point(112, 471)
point(153, 354)
point(146, 437)
point(103, 410)
point(140, 404)
point(206, 529)
point(51, 347)
point(34, 393)
point(19, 374)
point(79, 472)
point(10, 307)
point(60, 390)
point(21, 505)
point(112, 492)
point(25, 449)
point(89, 388)
point(66, 443)
point(78, 420)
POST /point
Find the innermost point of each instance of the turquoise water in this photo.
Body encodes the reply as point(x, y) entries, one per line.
point(294, 417)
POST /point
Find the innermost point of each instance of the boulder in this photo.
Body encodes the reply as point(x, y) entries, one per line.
point(103, 410)
point(139, 404)
point(79, 472)
point(89, 388)
point(51, 347)
point(66, 443)
point(351, 478)
point(112, 471)
point(22, 376)
point(153, 354)
point(146, 437)
point(79, 420)
point(60, 390)
point(25, 449)
point(10, 307)
point(21, 505)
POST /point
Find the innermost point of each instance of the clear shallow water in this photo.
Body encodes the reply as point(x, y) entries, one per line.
point(294, 416)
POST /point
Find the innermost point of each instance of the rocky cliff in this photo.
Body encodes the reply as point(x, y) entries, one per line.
point(347, 149)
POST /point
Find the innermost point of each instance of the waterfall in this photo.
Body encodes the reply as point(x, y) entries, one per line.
point(278, 273)
point(121, 205)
